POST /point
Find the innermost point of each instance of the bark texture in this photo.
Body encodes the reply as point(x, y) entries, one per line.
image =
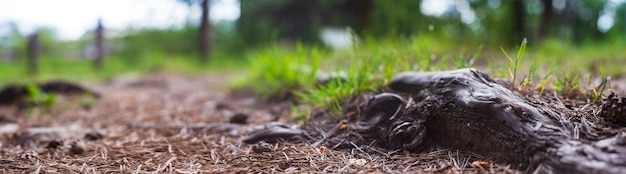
point(467, 110)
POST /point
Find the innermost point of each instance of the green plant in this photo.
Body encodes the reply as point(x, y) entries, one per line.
point(278, 71)
point(568, 83)
point(37, 97)
point(88, 101)
point(597, 91)
point(545, 80)
point(301, 115)
point(532, 73)
point(460, 61)
point(514, 65)
point(367, 66)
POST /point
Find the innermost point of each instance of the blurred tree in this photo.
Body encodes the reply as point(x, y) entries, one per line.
point(33, 51)
point(50, 45)
point(13, 44)
point(547, 18)
point(263, 21)
point(356, 14)
point(99, 41)
point(205, 33)
point(400, 17)
point(498, 22)
point(148, 42)
point(585, 25)
point(204, 39)
point(618, 32)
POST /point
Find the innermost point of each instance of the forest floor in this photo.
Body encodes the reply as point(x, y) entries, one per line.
point(171, 123)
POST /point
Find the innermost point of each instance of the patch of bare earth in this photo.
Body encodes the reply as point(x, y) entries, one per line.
point(180, 124)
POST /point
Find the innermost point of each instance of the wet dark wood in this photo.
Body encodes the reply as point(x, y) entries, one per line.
point(467, 110)
point(14, 94)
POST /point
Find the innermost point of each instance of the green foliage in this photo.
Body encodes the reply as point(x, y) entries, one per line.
point(301, 115)
point(88, 101)
point(597, 91)
point(373, 62)
point(532, 73)
point(278, 71)
point(82, 69)
point(147, 42)
point(545, 81)
point(37, 97)
point(568, 83)
point(400, 17)
point(514, 64)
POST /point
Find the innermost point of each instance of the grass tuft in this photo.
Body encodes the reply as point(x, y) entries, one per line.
point(514, 64)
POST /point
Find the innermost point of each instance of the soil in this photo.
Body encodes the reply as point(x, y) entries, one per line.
point(181, 123)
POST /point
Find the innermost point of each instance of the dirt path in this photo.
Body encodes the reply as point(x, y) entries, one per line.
point(131, 107)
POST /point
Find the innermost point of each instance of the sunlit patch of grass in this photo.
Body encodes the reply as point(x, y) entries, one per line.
point(82, 69)
point(373, 62)
point(276, 71)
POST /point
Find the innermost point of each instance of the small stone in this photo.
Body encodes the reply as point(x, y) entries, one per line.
point(262, 147)
point(239, 118)
point(93, 136)
point(272, 132)
point(31, 154)
point(222, 106)
point(77, 147)
point(55, 144)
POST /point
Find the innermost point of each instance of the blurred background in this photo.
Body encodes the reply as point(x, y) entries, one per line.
point(87, 39)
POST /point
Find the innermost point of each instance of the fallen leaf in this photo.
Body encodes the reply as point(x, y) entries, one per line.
point(323, 149)
point(343, 126)
point(480, 164)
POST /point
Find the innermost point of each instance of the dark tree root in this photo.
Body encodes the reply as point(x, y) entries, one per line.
point(467, 110)
point(13, 94)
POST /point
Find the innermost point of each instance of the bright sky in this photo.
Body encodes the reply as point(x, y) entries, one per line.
point(71, 18)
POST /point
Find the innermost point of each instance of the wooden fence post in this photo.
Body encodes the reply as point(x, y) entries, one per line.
point(33, 50)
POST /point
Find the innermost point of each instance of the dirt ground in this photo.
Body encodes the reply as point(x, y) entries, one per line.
point(137, 126)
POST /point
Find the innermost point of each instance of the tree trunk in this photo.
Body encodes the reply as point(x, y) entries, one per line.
point(546, 19)
point(33, 51)
point(205, 33)
point(99, 59)
point(519, 29)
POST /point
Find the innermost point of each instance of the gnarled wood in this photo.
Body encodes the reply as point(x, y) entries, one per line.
point(467, 110)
